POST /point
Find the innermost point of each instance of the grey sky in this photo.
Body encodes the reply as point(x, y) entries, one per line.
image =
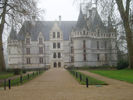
point(54, 8)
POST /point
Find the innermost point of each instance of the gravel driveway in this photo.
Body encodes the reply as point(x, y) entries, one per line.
point(58, 84)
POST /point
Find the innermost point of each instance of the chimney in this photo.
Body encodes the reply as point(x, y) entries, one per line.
point(59, 19)
point(33, 20)
point(90, 12)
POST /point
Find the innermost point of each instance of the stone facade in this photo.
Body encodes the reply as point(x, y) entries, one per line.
point(86, 42)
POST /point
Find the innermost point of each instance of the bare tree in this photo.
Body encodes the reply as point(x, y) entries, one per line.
point(124, 12)
point(122, 9)
point(14, 12)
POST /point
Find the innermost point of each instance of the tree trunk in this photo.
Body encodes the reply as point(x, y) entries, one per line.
point(2, 61)
point(125, 17)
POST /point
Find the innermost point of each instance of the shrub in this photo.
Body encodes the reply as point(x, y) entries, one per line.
point(24, 71)
point(122, 64)
point(17, 71)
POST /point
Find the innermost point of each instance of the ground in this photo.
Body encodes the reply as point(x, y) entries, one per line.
point(58, 84)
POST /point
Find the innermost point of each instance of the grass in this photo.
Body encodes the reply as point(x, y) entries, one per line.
point(91, 80)
point(4, 75)
point(16, 81)
point(123, 75)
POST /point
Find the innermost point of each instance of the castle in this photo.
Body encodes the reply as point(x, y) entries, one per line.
point(85, 42)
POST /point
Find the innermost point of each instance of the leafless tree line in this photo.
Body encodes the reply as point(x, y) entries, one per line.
point(12, 14)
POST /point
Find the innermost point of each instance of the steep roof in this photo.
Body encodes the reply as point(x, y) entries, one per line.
point(81, 23)
point(13, 34)
point(45, 27)
point(110, 25)
point(95, 21)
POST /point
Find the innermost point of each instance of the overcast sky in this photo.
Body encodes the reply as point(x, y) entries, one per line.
point(55, 8)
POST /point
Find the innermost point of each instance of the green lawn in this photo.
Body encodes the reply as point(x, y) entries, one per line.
point(4, 75)
point(16, 81)
point(123, 75)
point(91, 80)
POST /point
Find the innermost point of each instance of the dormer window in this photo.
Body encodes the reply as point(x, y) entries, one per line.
point(58, 34)
point(40, 41)
point(84, 32)
point(53, 34)
point(40, 50)
point(28, 51)
point(27, 40)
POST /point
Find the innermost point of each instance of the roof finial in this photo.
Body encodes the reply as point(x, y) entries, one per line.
point(80, 8)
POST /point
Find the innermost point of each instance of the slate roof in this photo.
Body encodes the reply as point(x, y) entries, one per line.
point(45, 27)
point(81, 23)
point(94, 22)
point(13, 34)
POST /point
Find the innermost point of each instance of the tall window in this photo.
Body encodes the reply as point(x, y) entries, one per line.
point(54, 45)
point(58, 44)
point(27, 50)
point(55, 64)
point(105, 44)
point(106, 58)
point(40, 50)
point(84, 44)
point(28, 60)
point(84, 57)
point(98, 57)
point(53, 34)
point(41, 60)
point(40, 41)
point(54, 55)
point(59, 55)
point(58, 34)
point(72, 59)
point(84, 32)
point(27, 40)
point(97, 44)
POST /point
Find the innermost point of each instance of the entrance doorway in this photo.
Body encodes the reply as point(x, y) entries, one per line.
point(55, 64)
point(59, 64)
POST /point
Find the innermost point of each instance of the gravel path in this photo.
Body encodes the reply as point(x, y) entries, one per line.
point(58, 84)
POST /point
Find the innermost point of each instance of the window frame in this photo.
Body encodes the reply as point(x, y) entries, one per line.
point(58, 34)
point(27, 40)
point(40, 50)
point(28, 60)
